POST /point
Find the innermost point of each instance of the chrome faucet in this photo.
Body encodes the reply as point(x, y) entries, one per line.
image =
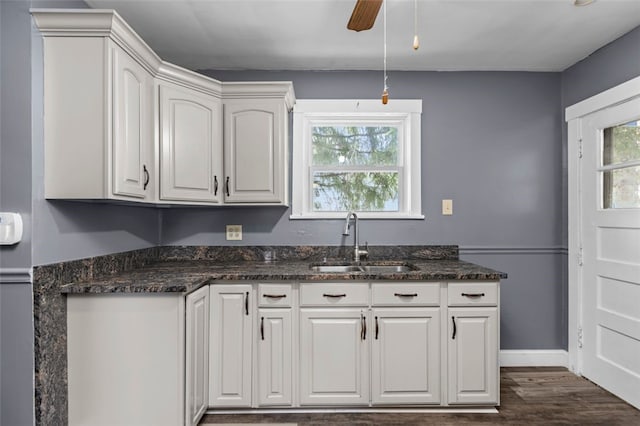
point(357, 252)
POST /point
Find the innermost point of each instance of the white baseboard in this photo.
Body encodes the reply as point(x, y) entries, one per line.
point(534, 358)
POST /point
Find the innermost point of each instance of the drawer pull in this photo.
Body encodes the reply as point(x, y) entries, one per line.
point(453, 320)
point(274, 296)
point(334, 295)
point(376, 328)
point(473, 294)
point(262, 328)
point(405, 294)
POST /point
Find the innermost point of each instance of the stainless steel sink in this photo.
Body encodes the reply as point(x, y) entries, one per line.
point(368, 269)
point(336, 269)
point(386, 269)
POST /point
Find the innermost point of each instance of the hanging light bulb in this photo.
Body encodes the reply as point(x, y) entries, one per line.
point(385, 91)
point(416, 41)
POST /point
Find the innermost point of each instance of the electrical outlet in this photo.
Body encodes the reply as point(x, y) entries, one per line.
point(234, 232)
point(447, 207)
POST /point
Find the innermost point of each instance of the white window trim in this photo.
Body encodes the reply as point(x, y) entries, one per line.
point(407, 111)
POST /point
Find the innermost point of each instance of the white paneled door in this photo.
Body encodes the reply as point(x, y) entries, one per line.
point(609, 205)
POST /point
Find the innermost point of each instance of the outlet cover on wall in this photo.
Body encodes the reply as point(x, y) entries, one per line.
point(234, 232)
point(447, 207)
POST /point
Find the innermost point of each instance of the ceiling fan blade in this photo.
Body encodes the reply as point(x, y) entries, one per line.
point(364, 15)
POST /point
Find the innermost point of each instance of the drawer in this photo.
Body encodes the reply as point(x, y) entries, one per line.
point(334, 294)
point(403, 293)
point(473, 294)
point(275, 295)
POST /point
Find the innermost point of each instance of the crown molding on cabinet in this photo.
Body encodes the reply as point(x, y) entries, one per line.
point(96, 23)
point(260, 89)
point(108, 23)
point(184, 77)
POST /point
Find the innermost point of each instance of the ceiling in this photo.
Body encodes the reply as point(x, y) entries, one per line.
point(522, 35)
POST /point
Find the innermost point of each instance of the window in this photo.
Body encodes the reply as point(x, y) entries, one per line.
point(361, 156)
point(621, 166)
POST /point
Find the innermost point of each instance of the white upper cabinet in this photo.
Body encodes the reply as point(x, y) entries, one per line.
point(190, 141)
point(121, 124)
point(255, 151)
point(98, 121)
point(132, 126)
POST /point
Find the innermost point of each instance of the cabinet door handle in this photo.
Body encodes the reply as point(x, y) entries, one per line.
point(405, 294)
point(334, 295)
point(215, 185)
point(363, 323)
point(227, 186)
point(376, 328)
point(146, 177)
point(274, 296)
point(473, 294)
point(246, 304)
point(453, 320)
point(261, 328)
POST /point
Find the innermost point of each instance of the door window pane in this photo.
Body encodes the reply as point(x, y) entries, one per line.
point(355, 191)
point(354, 146)
point(621, 163)
point(622, 188)
point(621, 143)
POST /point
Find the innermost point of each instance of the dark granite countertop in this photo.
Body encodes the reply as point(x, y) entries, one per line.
point(187, 276)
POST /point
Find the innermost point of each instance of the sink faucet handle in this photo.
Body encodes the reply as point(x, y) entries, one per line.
point(365, 253)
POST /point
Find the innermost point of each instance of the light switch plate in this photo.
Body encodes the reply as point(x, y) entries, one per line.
point(234, 232)
point(10, 228)
point(447, 207)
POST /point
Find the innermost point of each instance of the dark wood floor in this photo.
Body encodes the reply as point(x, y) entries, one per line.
point(529, 396)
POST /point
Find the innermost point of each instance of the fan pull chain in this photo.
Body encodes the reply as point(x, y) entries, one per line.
point(385, 91)
point(416, 42)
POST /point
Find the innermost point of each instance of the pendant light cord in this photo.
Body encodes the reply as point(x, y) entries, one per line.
point(385, 44)
point(416, 42)
point(385, 91)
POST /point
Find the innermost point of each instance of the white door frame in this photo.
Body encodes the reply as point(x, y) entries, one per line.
point(573, 115)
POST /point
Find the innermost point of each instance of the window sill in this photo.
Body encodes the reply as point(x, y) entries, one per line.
point(361, 215)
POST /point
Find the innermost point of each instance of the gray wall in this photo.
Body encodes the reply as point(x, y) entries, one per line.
point(491, 142)
point(16, 329)
point(609, 66)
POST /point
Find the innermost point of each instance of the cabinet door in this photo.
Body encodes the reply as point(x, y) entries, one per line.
point(191, 145)
point(473, 355)
point(255, 151)
point(334, 357)
point(197, 355)
point(132, 126)
point(230, 346)
point(405, 359)
point(274, 356)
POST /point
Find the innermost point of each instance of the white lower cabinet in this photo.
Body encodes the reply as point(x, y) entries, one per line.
point(473, 342)
point(334, 356)
point(405, 358)
point(473, 368)
point(132, 356)
point(197, 356)
point(274, 357)
point(384, 344)
point(230, 345)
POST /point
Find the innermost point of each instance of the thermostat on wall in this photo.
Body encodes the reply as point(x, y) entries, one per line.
point(10, 228)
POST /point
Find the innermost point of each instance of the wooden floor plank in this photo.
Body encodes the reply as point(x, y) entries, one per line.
point(529, 396)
